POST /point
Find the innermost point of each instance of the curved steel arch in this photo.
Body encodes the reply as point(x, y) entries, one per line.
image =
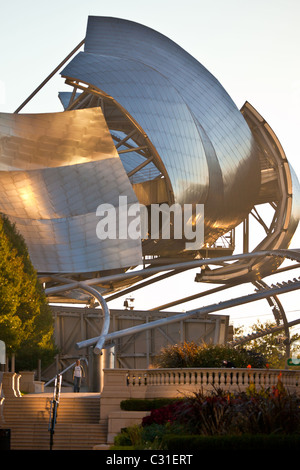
point(263, 291)
point(279, 187)
point(260, 294)
point(106, 315)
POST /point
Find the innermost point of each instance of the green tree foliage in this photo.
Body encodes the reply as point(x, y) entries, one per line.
point(272, 346)
point(26, 324)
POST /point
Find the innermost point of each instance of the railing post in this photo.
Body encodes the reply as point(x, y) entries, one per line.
point(222, 379)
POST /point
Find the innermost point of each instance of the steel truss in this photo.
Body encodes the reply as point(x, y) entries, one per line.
point(126, 132)
point(263, 291)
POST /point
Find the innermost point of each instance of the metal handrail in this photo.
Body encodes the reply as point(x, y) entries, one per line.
point(65, 370)
point(54, 407)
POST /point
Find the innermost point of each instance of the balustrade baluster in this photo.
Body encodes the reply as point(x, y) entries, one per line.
point(206, 378)
point(267, 382)
point(222, 379)
point(193, 378)
point(273, 379)
point(263, 379)
point(234, 379)
point(176, 378)
point(202, 378)
point(254, 379)
point(150, 378)
point(210, 380)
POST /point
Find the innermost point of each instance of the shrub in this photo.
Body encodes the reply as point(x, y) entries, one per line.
point(187, 355)
point(145, 404)
point(132, 435)
point(265, 412)
point(163, 415)
point(139, 437)
point(245, 420)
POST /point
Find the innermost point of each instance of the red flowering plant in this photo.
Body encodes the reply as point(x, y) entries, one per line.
point(198, 413)
point(278, 390)
point(264, 412)
point(207, 414)
point(165, 414)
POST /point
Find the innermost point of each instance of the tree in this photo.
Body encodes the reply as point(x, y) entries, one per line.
point(26, 324)
point(271, 346)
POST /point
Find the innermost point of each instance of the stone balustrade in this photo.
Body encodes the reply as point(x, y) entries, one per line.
point(169, 381)
point(121, 384)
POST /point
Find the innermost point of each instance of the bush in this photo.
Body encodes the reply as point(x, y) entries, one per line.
point(188, 355)
point(131, 436)
point(265, 419)
point(139, 437)
point(141, 404)
point(163, 415)
point(265, 412)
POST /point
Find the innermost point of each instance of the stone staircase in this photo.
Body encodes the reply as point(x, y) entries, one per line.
point(77, 426)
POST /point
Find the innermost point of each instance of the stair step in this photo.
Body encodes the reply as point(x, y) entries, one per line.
point(77, 425)
point(66, 437)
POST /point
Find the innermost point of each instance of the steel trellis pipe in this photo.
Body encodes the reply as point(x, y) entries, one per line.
point(101, 339)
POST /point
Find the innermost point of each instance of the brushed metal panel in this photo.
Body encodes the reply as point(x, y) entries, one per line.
point(55, 170)
point(200, 90)
point(33, 141)
point(160, 111)
point(200, 135)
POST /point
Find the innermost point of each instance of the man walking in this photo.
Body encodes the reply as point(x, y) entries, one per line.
point(78, 373)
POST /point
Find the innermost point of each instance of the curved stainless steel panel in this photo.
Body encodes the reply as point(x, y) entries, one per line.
point(159, 110)
point(186, 142)
point(55, 170)
point(33, 141)
point(199, 133)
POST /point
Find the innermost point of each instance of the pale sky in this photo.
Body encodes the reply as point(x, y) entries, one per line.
point(250, 46)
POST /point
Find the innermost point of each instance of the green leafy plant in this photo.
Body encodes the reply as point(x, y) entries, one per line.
point(145, 404)
point(190, 354)
point(241, 419)
point(265, 411)
point(130, 436)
